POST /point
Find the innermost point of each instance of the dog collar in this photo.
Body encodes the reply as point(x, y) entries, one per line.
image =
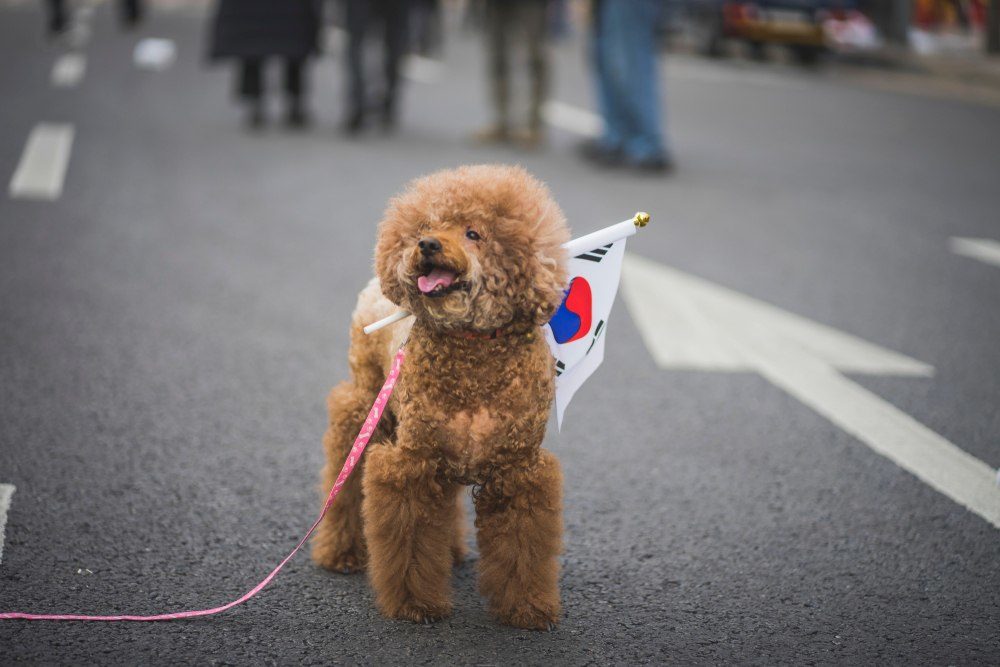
point(489, 335)
point(479, 335)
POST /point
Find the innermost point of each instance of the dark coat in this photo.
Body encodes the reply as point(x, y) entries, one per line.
point(260, 28)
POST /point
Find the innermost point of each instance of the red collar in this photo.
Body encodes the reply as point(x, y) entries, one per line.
point(480, 335)
point(492, 335)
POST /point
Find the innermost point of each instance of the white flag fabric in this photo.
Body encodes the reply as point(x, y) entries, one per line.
point(577, 331)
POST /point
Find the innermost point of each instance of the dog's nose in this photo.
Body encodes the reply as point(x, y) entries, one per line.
point(429, 245)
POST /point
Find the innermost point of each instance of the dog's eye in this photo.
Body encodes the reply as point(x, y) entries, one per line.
point(472, 235)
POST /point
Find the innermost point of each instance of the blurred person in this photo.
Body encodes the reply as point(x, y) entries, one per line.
point(428, 28)
point(129, 12)
point(510, 25)
point(474, 14)
point(559, 20)
point(57, 16)
point(624, 50)
point(362, 16)
point(252, 31)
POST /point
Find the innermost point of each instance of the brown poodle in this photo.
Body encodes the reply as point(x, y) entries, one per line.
point(475, 254)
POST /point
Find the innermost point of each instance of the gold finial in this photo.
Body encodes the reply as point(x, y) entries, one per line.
point(641, 219)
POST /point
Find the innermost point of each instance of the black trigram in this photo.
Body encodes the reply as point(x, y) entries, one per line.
point(561, 367)
point(597, 333)
point(595, 255)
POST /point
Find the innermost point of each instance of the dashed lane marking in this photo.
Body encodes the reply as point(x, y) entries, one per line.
point(985, 250)
point(155, 53)
point(42, 169)
point(6, 491)
point(68, 70)
point(691, 323)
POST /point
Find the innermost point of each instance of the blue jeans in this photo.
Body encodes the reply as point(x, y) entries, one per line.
point(623, 49)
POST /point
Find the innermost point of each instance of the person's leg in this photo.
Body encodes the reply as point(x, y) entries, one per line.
point(130, 12)
point(295, 72)
point(499, 22)
point(535, 21)
point(395, 17)
point(357, 23)
point(57, 16)
point(435, 28)
point(606, 62)
point(644, 142)
point(251, 89)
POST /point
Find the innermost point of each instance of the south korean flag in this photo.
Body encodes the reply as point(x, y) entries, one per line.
point(577, 331)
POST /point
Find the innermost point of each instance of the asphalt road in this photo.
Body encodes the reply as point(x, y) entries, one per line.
point(170, 324)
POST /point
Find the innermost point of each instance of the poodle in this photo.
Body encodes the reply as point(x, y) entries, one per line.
point(475, 254)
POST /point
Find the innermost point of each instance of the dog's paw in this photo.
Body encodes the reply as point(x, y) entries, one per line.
point(420, 612)
point(343, 562)
point(529, 617)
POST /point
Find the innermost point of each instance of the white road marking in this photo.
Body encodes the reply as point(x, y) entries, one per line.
point(68, 70)
point(985, 250)
point(6, 491)
point(154, 53)
point(42, 169)
point(690, 323)
point(573, 119)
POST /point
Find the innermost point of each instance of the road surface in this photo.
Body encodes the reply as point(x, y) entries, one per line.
point(175, 295)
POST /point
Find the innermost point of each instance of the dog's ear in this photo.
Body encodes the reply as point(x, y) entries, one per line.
point(544, 291)
point(389, 251)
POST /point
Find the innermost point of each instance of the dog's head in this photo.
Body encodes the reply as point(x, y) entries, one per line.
point(475, 248)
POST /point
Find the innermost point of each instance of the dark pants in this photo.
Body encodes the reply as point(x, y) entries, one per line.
point(508, 23)
point(362, 15)
point(251, 78)
point(130, 12)
point(427, 28)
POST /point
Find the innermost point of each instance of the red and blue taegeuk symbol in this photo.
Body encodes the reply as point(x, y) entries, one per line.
point(572, 321)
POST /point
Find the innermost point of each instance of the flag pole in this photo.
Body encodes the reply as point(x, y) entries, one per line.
point(607, 235)
point(574, 247)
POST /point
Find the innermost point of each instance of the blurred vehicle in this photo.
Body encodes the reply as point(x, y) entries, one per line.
point(797, 25)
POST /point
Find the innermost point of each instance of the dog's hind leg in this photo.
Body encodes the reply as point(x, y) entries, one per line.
point(519, 531)
point(339, 544)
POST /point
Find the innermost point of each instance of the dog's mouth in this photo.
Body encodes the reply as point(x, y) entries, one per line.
point(437, 280)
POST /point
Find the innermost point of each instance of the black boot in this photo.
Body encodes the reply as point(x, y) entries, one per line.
point(297, 117)
point(256, 118)
point(355, 122)
point(388, 114)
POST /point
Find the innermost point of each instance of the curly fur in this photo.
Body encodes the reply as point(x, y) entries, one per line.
point(469, 409)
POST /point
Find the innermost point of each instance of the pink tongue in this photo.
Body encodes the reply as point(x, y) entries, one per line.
point(428, 283)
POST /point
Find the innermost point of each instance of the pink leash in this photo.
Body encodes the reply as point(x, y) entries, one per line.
point(352, 460)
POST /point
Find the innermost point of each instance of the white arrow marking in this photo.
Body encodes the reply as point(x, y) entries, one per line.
point(985, 250)
point(6, 491)
point(42, 169)
point(691, 323)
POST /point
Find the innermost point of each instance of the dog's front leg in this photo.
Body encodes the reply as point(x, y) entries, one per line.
point(519, 532)
point(409, 518)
